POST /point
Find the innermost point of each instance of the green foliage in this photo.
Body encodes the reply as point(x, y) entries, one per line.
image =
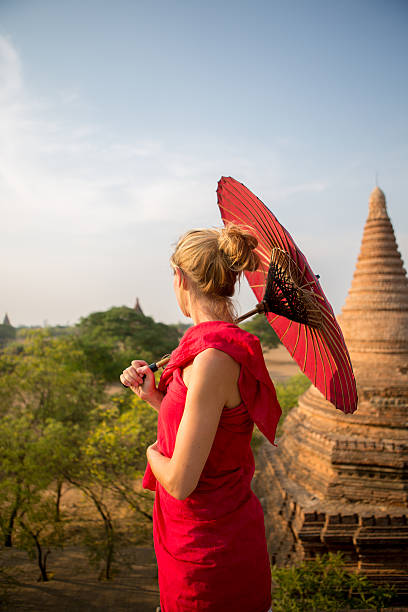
point(324, 584)
point(181, 328)
point(7, 334)
point(45, 408)
point(100, 543)
point(57, 425)
point(19, 473)
point(60, 330)
point(46, 378)
point(111, 459)
point(259, 326)
point(289, 392)
point(112, 339)
point(26, 507)
point(115, 449)
point(256, 440)
point(40, 532)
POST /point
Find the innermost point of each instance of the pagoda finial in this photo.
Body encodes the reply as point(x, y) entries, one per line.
point(137, 307)
point(377, 204)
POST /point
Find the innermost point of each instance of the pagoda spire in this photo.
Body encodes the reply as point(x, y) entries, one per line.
point(137, 307)
point(374, 318)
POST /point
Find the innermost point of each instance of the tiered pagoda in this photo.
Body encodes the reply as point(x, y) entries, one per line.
point(340, 482)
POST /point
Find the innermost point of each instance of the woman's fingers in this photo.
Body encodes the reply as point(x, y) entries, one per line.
point(137, 363)
point(139, 377)
point(123, 380)
point(144, 370)
point(147, 375)
point(131, 377)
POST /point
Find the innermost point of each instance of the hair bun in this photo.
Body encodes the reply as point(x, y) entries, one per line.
point(238, 246)
point(213, 259)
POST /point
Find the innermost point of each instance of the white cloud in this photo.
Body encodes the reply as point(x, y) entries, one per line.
point(65, 172)
point(80, 203)
point(10, 71)
point(55, 173)
point(312, 187)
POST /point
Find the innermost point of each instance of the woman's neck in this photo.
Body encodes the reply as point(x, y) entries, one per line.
point(201, 311)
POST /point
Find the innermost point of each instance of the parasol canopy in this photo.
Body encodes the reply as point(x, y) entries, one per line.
point(302, 317)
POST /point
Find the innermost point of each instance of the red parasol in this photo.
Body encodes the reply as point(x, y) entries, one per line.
point(317, 345)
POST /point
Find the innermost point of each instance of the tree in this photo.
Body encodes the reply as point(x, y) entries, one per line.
point(57, 425)
point(40, 532)
point(288, 394)
point(47, 378)
point(45, 403)
point(259, 326)
point(7, 334)
point(112, 460)
point(117, 449)
point(27, 506)
point(112, 339)
point(20, 477)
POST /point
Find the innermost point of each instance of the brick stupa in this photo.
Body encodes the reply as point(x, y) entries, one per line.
point(340, 482)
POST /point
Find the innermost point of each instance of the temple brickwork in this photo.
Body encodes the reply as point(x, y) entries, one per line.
point(340, 482)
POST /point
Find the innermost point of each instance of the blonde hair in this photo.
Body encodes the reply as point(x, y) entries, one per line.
point(214, 259)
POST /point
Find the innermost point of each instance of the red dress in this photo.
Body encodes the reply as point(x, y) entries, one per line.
point(211, 547)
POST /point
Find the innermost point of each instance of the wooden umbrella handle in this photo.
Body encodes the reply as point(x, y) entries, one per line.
point(159, 364)
point(155, 366)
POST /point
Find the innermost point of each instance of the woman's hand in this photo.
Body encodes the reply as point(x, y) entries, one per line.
point(153, 448)
point(139, 377)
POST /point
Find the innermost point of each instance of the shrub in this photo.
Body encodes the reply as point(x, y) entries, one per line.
point(259, 326)
point(325, 585)
point(288, 394)
point(112, 339)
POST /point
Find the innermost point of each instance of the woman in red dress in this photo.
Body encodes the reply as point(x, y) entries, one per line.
point(208, 525)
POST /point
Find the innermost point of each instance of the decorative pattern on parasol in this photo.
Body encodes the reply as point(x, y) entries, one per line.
point(296, 307)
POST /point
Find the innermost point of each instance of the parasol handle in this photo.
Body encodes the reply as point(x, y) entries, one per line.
point(155, 366)
point(260, 307)
point(159, 364)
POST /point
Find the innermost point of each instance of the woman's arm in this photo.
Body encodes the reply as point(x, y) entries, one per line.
point(212, 382)
point(139, 377)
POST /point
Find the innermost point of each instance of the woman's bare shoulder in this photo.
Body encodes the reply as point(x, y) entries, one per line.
point(212, 360)
point(214, 365)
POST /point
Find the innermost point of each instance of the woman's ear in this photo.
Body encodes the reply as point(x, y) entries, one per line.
point(179, 276)
point(182, 279)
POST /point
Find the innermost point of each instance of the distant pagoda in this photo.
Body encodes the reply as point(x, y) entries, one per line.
point(6, 320)
point(137, 307)
point(340, 482)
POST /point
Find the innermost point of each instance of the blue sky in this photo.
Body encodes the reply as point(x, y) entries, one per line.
point(118, 119)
